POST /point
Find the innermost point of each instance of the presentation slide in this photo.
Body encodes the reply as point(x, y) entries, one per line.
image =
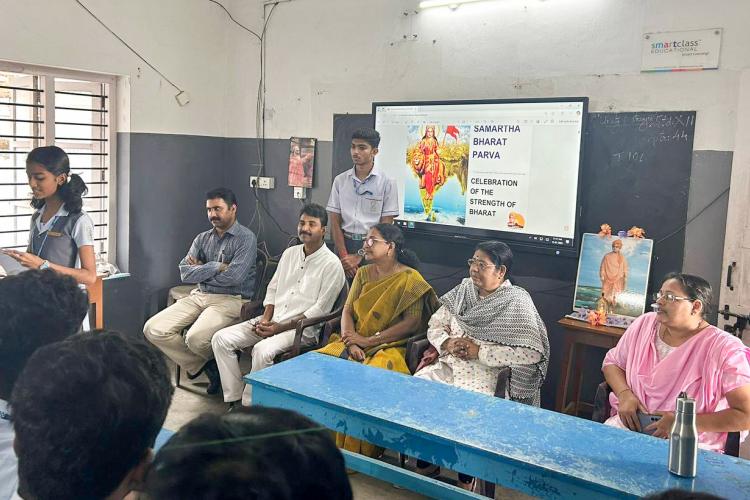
point(475, 168)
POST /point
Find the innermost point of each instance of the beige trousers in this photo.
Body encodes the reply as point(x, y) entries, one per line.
point(206, 312)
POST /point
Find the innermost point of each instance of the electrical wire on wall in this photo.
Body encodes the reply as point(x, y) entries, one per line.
point(260, 128)
point(691, 219)
point(180, 92)
point(235, 21)
point(182, 99)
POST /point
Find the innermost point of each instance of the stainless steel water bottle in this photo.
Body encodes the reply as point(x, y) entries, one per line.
point(683, 439)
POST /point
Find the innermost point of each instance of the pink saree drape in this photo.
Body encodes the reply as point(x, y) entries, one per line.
point(707, 367)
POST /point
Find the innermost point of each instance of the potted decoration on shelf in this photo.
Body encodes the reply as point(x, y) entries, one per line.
point(636, 232)
point(602, 305)
point(596, 318)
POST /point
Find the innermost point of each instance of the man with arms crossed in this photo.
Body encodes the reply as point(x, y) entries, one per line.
point(306, 283)
point(360, 198)
point(221, 262)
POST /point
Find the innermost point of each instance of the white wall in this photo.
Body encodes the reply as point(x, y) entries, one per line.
point(187, 40)
point(737, 241)
point(336, 56)
point(243, 66)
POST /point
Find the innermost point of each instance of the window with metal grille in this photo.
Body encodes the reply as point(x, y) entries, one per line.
point(72, 111)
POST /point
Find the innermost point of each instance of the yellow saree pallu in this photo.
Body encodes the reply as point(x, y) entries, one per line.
point(379, 305)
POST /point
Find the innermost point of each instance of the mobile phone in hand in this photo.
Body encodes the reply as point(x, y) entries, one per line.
point(647, 419)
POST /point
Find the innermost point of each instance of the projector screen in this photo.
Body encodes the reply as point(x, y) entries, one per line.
point(486, 169)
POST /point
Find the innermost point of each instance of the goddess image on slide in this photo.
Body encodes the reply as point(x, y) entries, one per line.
point(427, 164)
point(433, 163)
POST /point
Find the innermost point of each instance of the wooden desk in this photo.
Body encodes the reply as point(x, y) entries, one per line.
point(580, 332)
point(536, 451)
point(96, 297)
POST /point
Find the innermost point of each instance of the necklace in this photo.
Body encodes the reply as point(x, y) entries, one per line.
point(384, 274)
point(700, 327)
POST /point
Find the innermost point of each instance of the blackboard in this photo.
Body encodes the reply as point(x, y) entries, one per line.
point(636, 172)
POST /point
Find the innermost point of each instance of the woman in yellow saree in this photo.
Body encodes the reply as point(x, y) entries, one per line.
point(388, 302)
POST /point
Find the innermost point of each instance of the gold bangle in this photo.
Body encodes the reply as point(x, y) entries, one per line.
point(624, 390)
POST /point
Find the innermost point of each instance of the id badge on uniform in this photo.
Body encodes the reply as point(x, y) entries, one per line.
point(54, 234)
point(373, 204)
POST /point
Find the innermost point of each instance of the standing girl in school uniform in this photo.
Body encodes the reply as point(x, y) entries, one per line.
point(62, 234)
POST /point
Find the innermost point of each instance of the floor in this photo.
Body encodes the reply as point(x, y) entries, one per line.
point(191, 400)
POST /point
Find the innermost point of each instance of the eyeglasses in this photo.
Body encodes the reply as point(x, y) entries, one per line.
point(668, 297)
point(370, 241)
point(480, 264)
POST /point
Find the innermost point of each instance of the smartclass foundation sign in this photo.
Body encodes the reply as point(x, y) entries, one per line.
point(681, 50)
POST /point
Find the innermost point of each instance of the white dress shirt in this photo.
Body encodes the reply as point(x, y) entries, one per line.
point(306, 285)
point(8, 462)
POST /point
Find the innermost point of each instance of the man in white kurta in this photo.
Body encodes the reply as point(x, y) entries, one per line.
point(306, 283)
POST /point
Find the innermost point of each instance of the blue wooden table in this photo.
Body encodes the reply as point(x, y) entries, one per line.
point(536, 451)
point(162, 438)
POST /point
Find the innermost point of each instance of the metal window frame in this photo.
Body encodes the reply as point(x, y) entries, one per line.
point(48, 75)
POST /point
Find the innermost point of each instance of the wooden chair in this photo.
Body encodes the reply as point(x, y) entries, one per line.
point(419, 344)
point(330, 321)
point(415, 348)
point(178, 292)
point(602, 410)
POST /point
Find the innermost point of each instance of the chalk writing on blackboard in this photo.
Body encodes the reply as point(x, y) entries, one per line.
point(646, 122)
point(663, 120)
point(678, 135)
point(630, 156)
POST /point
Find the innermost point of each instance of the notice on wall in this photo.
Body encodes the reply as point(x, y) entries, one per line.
point(681, 50)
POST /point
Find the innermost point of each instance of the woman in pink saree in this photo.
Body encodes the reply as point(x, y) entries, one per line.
point(675, 349)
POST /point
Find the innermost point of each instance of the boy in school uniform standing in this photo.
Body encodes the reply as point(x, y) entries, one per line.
point(360, 198)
